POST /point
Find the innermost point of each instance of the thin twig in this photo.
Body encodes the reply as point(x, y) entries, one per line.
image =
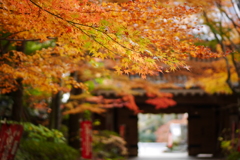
point(37, 39)
point(228, 80)
point(71, 22)
point(235, 10)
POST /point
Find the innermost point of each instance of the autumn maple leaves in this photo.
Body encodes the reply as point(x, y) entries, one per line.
point(141, 36)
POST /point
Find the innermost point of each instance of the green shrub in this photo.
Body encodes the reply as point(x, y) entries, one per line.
point(41, 133)
point(230, 145)
point(38, 150)
point(41, 143)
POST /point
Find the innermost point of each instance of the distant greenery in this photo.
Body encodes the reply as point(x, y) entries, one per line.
point(147, 137)
point(148, 124)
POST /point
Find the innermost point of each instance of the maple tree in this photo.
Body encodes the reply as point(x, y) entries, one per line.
point(222, 31)
point(86, 30)
point(143, 37)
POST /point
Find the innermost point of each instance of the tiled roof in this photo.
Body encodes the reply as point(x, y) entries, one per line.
point(142, 92)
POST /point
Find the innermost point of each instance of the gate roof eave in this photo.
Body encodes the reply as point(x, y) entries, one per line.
point(142, 92)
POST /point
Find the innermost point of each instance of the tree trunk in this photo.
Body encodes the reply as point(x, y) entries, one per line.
point(17, 97)
point(73, 131)
point(73, 122)
point(55, 116)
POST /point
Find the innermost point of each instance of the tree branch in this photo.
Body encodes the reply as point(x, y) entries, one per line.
point(235, 10)
point(71, 22)
point(228, 80)
point(37, 39)
point(234, 24)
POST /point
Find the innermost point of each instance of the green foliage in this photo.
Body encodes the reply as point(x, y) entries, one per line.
point(41, 133)
point(5, 106)
point(229, 150)
point(35, 92)
point(230, 147)
point(91, 84)
point(41, 143)
point(147, 137)
point(33, 46)
point(108, 145)
point(212, 44)
point(235, 155)
point(42, 150)
point(148, 124)
point(87, 115)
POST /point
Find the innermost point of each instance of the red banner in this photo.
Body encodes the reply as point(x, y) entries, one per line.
point(122, 131)
point(86, 139)
point(10, 135)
